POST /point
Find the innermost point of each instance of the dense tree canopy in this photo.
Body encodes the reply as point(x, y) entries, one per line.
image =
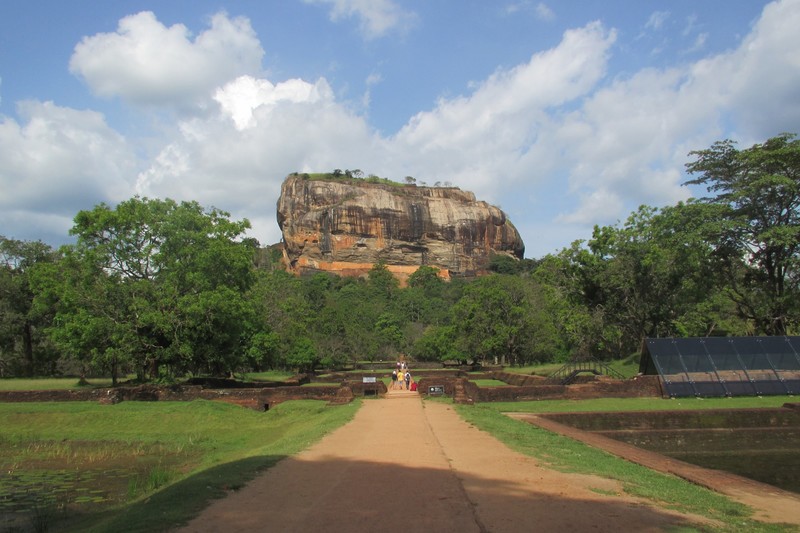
point(165, 289)
point(153, 284)
point(24, 349)
point(758, 189)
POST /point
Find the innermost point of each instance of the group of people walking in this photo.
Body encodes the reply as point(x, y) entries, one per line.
point(401, 378)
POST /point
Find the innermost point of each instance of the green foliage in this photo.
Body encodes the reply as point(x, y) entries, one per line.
point(657, 275)
point(151, 283)
point(503, 319)
point(24, 348)
point(438, 343)
point(165, 289)
point(757, 193)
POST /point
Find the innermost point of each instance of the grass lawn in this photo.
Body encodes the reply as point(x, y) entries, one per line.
point(17, 384)
point(271, 375)
point(568, 455)
point(638, 404)
point(489, 383)
point(167, 460)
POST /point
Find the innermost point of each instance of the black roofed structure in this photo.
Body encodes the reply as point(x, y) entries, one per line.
point(724, 366)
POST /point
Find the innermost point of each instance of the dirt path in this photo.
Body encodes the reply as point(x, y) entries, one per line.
point(400, 465)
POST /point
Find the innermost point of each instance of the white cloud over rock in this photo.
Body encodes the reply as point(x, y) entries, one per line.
point(242, 98)
point(145, 62)
point(470, 139)
point(237, 159)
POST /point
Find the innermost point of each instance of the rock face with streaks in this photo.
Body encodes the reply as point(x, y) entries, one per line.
point(346, 225)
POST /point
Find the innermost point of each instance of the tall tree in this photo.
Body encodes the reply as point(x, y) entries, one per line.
point(23, 347)
point(175, 276)
point(501, 318)
point(759, 191)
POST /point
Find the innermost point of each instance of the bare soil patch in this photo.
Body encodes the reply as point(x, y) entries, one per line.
point(401, 465)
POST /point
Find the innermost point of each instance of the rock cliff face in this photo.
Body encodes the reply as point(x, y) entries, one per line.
point(345, 226)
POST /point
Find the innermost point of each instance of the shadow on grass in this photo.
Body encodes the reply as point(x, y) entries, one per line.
point(174, 505)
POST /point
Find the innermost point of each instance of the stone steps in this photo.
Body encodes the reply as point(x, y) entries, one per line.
point(393, 394)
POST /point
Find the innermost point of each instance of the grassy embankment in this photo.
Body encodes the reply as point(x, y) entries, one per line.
point(568, 455)
point(23, 384)
point(73, 383)
point(167, 460)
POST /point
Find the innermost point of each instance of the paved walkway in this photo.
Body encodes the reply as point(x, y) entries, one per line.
point(403, 466)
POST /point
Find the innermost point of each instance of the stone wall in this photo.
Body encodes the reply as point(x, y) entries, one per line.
point(252, 398)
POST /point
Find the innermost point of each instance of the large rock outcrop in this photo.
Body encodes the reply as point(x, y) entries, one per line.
point(347, 225)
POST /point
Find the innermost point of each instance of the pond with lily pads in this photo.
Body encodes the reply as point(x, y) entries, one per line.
point(42, 479)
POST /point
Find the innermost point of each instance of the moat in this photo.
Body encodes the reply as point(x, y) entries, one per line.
point(760, 444)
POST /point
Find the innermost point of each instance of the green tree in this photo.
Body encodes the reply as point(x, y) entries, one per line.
point(658, 267)
point(758, 189)
point(656, 275)
point(280, 314)
point(501, 319)
point(175, 277)
point(94, 317)
point(23, 346)
point(382, 283)
point(303, 355)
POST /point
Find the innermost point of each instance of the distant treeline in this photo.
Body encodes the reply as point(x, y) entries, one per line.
point(165, 289)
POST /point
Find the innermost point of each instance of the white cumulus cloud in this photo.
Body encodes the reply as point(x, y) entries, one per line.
point(243, 96)
point(57, 161)
point(468, 139)
point(145, 62)
point(237, 159)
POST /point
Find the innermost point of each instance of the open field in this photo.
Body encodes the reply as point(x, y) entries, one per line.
point(81, 466)
point(9, 384)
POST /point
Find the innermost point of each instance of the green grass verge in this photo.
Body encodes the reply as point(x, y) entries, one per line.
point(23, 384)
point(221, 446)
point(568, 455)
point(271, 375)
point(640, 404)
point(489, 383)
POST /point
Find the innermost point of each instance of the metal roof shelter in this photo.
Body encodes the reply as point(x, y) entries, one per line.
point(724, 366)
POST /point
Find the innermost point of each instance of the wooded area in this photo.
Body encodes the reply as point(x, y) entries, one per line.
point(165, 289)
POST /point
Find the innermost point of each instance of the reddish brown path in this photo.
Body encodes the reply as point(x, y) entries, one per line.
point(401, 465)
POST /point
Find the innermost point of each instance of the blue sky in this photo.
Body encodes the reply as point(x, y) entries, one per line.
point(565, 114)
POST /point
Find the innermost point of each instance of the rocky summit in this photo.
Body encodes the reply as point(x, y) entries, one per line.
point(345, 225)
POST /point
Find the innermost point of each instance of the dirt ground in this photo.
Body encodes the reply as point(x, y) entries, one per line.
point(404, 465)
